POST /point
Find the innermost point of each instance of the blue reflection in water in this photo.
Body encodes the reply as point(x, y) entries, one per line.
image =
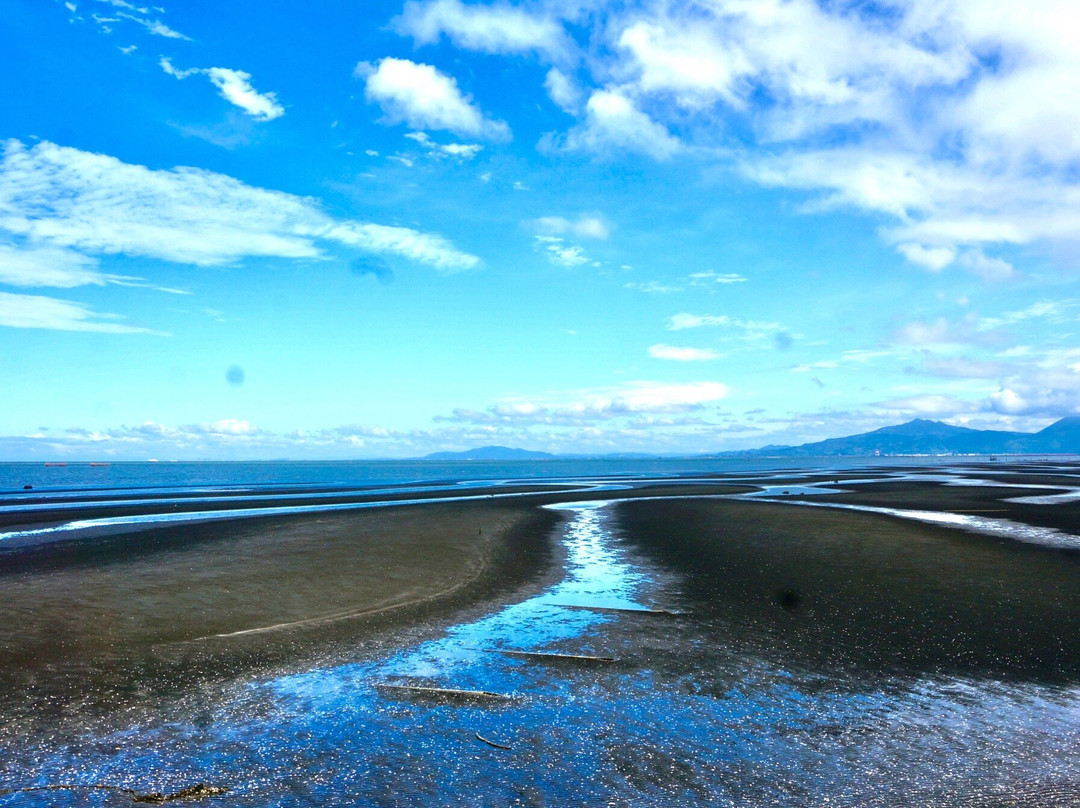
point(595, 576)
point(722, 731)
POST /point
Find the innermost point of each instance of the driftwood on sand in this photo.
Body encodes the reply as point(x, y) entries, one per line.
point(190, 794)
point(544, 656)
point(480, 737)
point(618, 609)
point(445, 692)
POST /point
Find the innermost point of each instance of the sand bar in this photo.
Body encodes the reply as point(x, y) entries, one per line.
point(126, 617)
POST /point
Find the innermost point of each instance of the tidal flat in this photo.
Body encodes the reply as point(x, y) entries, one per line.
point(791, 637)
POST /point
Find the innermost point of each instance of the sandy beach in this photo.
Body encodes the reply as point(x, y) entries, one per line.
point(96, 624)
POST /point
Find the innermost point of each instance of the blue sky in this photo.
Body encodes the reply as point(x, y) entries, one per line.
point(379, 229)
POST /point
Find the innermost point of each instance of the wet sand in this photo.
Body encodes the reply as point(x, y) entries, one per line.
point(116, 622)
point(837, 591)
point(89, 620)
point(992, 501)
point(96, 623)
point(58, 508)
point(836, 602)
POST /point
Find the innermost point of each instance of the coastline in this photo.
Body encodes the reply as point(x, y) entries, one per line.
point(225, 650)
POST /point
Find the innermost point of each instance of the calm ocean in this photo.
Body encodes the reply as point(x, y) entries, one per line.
point(14, 476)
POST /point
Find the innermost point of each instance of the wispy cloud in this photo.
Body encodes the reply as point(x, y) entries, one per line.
point(238, 438)
point(156, 27)
point(35, 311)
point(131, 12)
point(723, 278)
point(642, 415)
point(561, 253)
point(943, 333)
point(59, 268)
point(126, 5)
point(853, 358)
point(695, 280)
point(632, 399)
point(933, 258)
point(235, 87)
point(584, 226)
point(678, 354)
point(425, 248)
point(64, 198)
point(654, 287)
point(456, 151)
point(751, 329)
point(564, 91)
point(48, 266)
point(963, 367)
point(927, 405)
point(424, 98)
point(1050, 311)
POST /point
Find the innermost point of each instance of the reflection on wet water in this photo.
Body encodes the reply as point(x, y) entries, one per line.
point(695, 710)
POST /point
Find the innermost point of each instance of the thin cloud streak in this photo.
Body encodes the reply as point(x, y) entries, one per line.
point(59, 197)
point(54, 314)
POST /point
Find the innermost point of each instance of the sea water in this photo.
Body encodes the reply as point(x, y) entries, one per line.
point(168, 475)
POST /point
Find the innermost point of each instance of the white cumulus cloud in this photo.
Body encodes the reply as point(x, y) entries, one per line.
point(613, 121)
point(422, 97)
point(563, 91)
point(497, 28)
point(957, 121)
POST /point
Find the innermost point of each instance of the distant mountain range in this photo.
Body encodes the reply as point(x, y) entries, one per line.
point(490, 453)
point(935, 438)
point(916, 437)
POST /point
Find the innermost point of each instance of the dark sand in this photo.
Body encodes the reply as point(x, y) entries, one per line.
point(110, 623)
point(835, 591)
point(61, 508)
point(988, 501)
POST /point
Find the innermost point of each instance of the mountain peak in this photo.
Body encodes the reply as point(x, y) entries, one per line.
point(489, 453)
point(924, 436)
